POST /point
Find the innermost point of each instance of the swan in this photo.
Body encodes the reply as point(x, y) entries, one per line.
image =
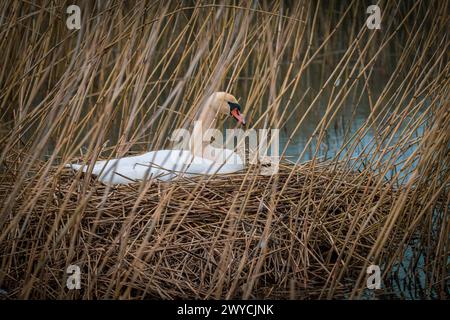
point(200, 159)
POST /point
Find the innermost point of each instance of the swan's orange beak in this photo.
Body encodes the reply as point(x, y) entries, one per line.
point(238, 116)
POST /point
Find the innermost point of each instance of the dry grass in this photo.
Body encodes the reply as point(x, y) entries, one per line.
point(201, 239)
point(136, 71)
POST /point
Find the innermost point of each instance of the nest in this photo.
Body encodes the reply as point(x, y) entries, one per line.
point(228, 236)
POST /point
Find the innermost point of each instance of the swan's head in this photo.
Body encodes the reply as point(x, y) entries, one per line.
point(226, 104)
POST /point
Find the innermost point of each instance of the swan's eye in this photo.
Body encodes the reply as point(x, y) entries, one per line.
point(234, 106)
point(235, 112)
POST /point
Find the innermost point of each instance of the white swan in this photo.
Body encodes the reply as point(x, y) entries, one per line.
point(202, 158)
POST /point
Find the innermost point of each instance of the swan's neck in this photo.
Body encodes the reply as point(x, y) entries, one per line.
point(201, 138)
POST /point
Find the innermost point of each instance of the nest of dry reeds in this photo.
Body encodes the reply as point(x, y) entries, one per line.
point(227, 236)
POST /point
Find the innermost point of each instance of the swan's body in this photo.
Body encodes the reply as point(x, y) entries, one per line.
point(168, 164)
point(162, 164)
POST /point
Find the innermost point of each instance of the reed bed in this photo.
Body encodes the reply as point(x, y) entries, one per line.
point(136, 71)
point(206, 239)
